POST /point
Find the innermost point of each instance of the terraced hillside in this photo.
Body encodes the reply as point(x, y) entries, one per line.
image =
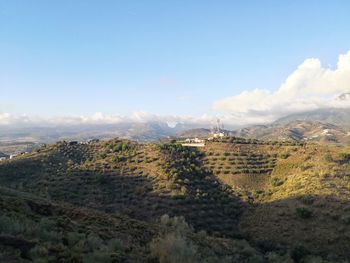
point(142, 181)
point(305, 200)
point(231, 188)
point(244, 163)
point(298, 190)
point(238, 166)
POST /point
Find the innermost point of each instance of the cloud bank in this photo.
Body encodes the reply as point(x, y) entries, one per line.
point(7, 119)
point(311, 86)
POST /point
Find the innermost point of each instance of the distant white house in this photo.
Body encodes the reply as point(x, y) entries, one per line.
point(219, 135)
point(13, 156)
point(216, 135)
point(217, 131)
point(195, 140)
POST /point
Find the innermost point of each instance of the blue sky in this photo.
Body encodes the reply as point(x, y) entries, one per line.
point(164, 57)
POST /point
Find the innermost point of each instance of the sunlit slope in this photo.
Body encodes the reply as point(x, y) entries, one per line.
point(306, 200)
point(300, 191)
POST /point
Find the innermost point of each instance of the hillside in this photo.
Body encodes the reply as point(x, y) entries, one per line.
point(142, 181)
point(192, 133)
point(331, 126)
point(304, 197)
point(233, 189)
point(35, 229)
point(335, 116)
point(298, 130)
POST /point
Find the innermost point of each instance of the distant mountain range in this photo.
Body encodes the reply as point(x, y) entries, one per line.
point(298, 131)
point(326, 125)
point(340, 117)
point(136, 131)
point(323, 125)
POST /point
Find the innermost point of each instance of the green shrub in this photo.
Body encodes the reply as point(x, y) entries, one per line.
point(298, 253)
point(10, 226)
point(184, 190)
point(273, 257)
point(328, 157)
point(169, 185)
point(173, 248)
point(103, 155)
point(38, 253)
point(94, 241)
point(73, 238)
point(303, 212)
point(277, 182)
point(283, 155)
point(178, 224)
point(345, 157)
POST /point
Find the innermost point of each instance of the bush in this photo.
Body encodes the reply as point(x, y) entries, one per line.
point(345, 157)
point(328, 157)
point(303, 212)
point(273, 257)
point(184, 190)
point(169, 185)
point(38, 252)
point(298, 253)
point(173, 248)
point(73, 238)
point(284, 155)
point(277, 182)
point(103, 155)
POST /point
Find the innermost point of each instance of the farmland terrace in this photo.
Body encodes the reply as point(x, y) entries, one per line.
point(231, 188)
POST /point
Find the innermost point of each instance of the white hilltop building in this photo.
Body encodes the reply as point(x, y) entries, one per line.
point(195, 140)
point(218, 135)
point(217, 131)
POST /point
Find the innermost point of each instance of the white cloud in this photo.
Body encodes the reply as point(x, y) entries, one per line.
point(309, 87)
point(12, 120)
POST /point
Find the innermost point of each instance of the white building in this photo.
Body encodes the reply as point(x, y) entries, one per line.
point(195, 140)
point(13, 156)
point(217, 131)
point(219, 135)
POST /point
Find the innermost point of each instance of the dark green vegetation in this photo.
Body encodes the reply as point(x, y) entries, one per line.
point(234, 200)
